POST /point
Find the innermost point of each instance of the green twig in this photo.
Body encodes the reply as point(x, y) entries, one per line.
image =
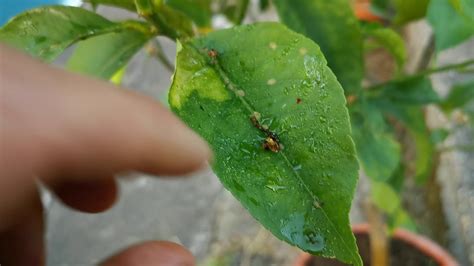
point(157, 51)
point(427, 72)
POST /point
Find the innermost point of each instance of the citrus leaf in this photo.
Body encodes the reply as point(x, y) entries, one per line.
point(104, 55)
point(409, 10)
point(452, 21)
point(235, 10)
point(377, 149)
point(412, 116)
point(333, 25)
point(45, 32)
point(414, 91)
point(125, 4)
point(198, 10)
point(388, 39)
point(458, 96)
point(262, 85)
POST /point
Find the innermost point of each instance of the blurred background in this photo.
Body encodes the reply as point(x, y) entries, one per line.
point(199, 213)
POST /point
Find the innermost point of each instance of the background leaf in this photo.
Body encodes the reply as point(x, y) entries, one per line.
point(458, 96)
point(452, 21)
point(334, 27)
point(416, 90)
point(387, 38)
point(409, 10)
point(198, 10)
point(125, 4)
point(235, 10)
point(104, 55)
point(302, 193)
point(377, 150)
point(45, 32)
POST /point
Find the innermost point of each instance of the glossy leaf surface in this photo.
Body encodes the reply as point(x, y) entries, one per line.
point(104, 55)
point(302, 192)
point(334, 27)
point(45, 32)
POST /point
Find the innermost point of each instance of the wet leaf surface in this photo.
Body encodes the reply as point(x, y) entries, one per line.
point(275, 117)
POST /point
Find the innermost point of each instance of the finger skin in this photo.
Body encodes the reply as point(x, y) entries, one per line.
point(153, 253)
point(87, 196)
point(65, 127)
point(23, 243)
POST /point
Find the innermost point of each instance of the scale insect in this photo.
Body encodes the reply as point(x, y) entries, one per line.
point(271, 142)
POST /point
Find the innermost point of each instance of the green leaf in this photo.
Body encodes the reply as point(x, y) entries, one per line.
point(250, 86)
point(377, 150)
point(198, 10)
point(388, 200)
point(388, 39)
point(104, 55)
point(409, 10)
point(385, 197)
point(459, 96)
point(413, 118)
point(125, 4)
point(416, 91)
point(439, 135)
point(264, 4)
point(45, 32)
point(169, 21)
point(452, 21)
point(334, 27)
point(235, 10)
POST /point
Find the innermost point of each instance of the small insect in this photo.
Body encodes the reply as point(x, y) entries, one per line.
point(272, 144)
point(298, 100)
point(212, 53)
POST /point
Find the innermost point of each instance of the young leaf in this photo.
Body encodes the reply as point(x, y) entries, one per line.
point(459, 95)
point(104, 55)
point(452, 21)
point(45, 32)
point(377, 150)
point(388, 39)
point(409, 10)
point(334, 27)
point(275, 116)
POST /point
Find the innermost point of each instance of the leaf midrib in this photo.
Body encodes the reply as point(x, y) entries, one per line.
point(233, 87)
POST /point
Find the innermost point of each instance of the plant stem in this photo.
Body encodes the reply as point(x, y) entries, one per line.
point(157, 51)
point(427, 72)
point(146, 9)
point(379, 241)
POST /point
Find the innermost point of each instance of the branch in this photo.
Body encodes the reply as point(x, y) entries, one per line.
point(427, 72)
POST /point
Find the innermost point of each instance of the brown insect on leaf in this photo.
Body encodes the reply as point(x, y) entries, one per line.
point(212, 53)
point(271, 143)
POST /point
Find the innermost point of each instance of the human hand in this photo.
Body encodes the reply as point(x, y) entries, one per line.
point(75, 134)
